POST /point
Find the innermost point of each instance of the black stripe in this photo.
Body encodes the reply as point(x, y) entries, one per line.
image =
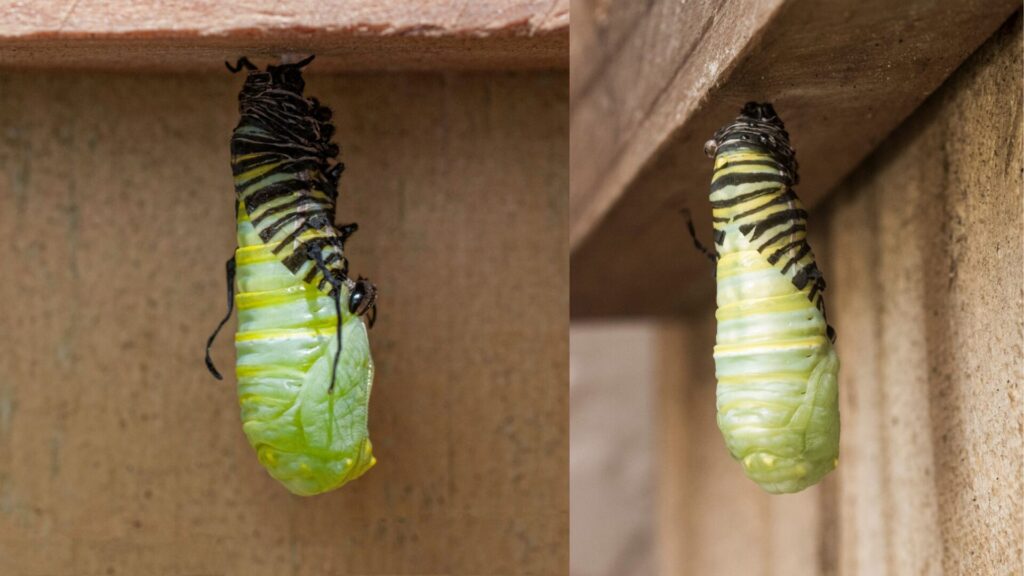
point(288, 240)
point(719, 237)
point(290, 205)
point(780, 217)
point(805, 274)
point(788, 196)
point(767, 162)
point(293, 167)
point(308, 217)
point(272, 192)
point(242, 145)
point(313, 271)
point(814, 290)
point(800, 254)
point(334, 257)
point(300, 255)
point(746, 178)
point(778, 253)
point(788, 231)
point(744, 197)
point(243, 166)
point(274, 227)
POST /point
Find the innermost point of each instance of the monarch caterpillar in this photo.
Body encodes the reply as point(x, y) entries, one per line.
point(777, 393)
point(303, 394)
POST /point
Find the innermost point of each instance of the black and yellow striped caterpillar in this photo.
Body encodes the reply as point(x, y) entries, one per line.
point(774, 360)
point(304, 395)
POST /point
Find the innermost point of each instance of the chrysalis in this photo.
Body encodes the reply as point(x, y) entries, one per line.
point(304, 368)
point(776, 367)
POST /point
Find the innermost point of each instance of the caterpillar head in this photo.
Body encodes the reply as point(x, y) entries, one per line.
point(363, 300)
point(283, 77)
point(758, 126)
point(289, 76)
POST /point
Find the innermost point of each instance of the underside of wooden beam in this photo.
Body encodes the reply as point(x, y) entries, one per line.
point(354, 35)
point(842, 74)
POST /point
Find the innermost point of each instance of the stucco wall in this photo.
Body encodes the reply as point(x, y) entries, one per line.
point(923, 248)
point(119, 454)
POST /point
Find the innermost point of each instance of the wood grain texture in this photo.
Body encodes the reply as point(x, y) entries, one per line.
point(929, 279)
point(923, 246)
point(349, 35)
point(120, 454)
point(842, 75)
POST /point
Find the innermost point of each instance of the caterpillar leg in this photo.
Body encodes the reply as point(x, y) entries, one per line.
point(347, 230)
point(229, 267)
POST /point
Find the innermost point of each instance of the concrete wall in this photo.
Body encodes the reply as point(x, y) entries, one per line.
point(924, 251)
point(120, 455)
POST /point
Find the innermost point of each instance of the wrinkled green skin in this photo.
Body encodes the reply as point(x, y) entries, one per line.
point(309, 440)
point(777, 394)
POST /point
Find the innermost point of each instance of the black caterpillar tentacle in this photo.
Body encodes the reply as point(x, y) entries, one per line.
point(242, 62)
point(229, 267)
point(713, 257)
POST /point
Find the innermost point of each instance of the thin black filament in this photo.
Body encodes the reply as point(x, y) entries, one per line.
point(230, 268)
point(337, 353)
point(318, 259)
point(693, 234)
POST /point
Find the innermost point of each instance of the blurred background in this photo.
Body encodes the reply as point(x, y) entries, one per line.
point(907, 121)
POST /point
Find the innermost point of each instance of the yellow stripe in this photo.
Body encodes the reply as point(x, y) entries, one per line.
point(256, 370)
point(251, 300)
point(723, 160)
point(751, 404)
point(744, 169)
point(265, 252)
point(766, 347)
point(767, 377)
point(728, 269)
point(254, 255)
point(257, 171)
point(326, 330)
point(797, 300)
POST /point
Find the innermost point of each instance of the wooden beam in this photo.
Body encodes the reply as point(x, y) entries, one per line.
point(366, 34)
point(842, 74)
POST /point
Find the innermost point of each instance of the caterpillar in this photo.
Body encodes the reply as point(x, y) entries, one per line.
point(303, 364)
point(777, 393)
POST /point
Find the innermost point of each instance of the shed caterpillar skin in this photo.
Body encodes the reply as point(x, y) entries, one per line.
point(777, 394)
point(303, 360)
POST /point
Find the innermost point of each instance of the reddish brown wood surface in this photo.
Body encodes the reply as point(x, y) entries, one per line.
point(843, 74)
point(350, 35)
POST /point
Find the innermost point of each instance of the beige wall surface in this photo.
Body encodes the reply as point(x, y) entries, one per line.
point(923, 248)
point(119, 454)
point(614, 369)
